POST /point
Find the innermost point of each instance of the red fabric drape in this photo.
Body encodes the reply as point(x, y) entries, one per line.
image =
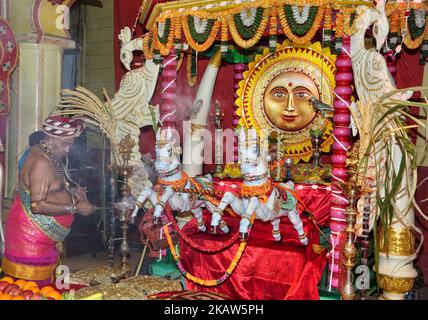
point(316, 198)
point(268, 270)
point(125, 13)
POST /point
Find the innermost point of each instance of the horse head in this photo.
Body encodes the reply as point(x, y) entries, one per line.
point(250, 154)
point(167, 153)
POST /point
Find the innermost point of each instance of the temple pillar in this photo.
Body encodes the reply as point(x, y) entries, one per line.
point(342, 142)
point(41, 31)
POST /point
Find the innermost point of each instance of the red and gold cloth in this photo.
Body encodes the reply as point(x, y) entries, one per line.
point(268, 270)
point(315, 197)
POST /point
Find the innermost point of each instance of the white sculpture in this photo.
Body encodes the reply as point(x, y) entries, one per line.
point(254, 168)
point(126, 113)
point(171, 176)
point(372, 82)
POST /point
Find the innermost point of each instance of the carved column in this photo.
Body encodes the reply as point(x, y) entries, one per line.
point(239, 69)
point(342, 134)
point(36, 83)
point(168, 106)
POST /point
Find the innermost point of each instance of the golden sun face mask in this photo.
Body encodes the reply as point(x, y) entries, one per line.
point(274, 97)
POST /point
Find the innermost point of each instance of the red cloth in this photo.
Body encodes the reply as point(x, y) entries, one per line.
point(125, 14)
point(316, 198)
point(268, 270)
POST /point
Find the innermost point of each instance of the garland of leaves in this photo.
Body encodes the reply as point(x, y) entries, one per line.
point(296, 28)
point(238, 33)
point(210, 282)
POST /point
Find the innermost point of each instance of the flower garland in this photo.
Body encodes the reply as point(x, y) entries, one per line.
point(248, 29)
point(309, 35)
point(200, 47)
point(193, 244)
point(408, 41)
point(163, 45)
point(147, 46)
point(273, 29)
point(223, 38)
point(262, 191)
point(326, 36)
point(211, 282)
point(238, 34)
point(177, 36)
point(393, 38)
point(191, 72)
point(296, 27)
point(201, 35)
point(416, 27)
point(180, 183)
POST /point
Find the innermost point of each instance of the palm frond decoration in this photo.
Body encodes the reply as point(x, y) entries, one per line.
point(387, 156)
point(83, 103)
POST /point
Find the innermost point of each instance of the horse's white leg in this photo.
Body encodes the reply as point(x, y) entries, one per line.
point(147, 193)
point(253, 205)
point(197, 213)
point(168, 193)
point(221, 223)
point(293, 215)
point(275, 229)
point(217, 216)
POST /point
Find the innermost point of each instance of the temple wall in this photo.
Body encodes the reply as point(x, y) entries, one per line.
point(96, 67)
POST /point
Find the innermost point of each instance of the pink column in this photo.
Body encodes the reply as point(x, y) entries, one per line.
point(169, 90)
point(239, 69)
point(342, 135)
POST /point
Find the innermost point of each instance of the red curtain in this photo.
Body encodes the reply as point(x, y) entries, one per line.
point(125, 14)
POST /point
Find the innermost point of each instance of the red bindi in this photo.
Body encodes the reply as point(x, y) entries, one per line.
point(290, 84)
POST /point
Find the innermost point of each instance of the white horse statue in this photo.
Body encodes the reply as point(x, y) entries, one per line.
point(269, 201)
point(171, 177)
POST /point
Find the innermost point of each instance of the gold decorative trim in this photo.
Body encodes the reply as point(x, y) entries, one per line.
point(395, 285)
point(400, 244)
point(28, 272)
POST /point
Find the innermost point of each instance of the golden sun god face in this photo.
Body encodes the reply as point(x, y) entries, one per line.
point(286, 101)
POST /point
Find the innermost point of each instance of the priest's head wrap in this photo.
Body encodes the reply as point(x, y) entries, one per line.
point(62, 127)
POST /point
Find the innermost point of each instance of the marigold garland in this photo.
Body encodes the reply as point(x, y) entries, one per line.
point(296, 28)
point(223, 19)
point(200, 37)
point(211, 282)
point(193, 244)
point(408, 41)
point(248, 32)
point(327, 27)
point(147, 46)
point(200, 47)
point(164, 48)
point(252, 41)
point(309, 35)
point(191, 78)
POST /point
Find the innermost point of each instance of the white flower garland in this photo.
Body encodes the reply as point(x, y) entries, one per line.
point(248, 19)
point(161, 29)
point(420, 18)
point(300, 18)
point(200, 24)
